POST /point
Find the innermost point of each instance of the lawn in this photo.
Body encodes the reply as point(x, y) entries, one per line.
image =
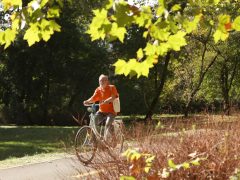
point(21, 145)
point(20, 141)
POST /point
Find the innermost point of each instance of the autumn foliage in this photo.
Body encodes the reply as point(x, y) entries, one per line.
point(192, 149)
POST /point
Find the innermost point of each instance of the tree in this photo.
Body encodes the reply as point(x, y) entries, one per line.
point(166, 26)
point(48, 81)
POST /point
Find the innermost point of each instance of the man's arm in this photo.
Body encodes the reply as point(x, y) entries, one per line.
point(108, 100)
point(87, 102)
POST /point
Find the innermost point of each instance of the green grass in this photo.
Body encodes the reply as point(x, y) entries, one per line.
point(20, 141)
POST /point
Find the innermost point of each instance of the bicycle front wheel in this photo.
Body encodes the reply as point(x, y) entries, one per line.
point(85, 144)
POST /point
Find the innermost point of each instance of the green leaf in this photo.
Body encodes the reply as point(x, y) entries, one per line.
point(109, 4)
point(53, 12)
point(150, 159)
point(192, 25)
point(145, 34)
point(43, 3)
point(163, 49)
point(173, 26)
point(131, 65)
point(160, 10)
point(122, 14)
point(120, 66)
point(119, 32)
point(162, 3)
point(140, 54)
point(142, 69)
point(224, 19)
point(150, 49)
point(7, 4)
point(171, 164)
point(55, 26)
point(126, 153)
point(177, 41)
point(236, 23)
point(176, 7)
point(219, 35)
point(32, 34)
point(15, 23)
point(2, 34)
point(134, 155)
point(147, 169)
point(9, 37)
point(159, 33)
point(98, 25)
point(145, 17)
point(195, 162)
point(127, 178)
point(186, 165)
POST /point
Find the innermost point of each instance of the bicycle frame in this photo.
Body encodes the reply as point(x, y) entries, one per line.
point(100, 134)
point(90, 137)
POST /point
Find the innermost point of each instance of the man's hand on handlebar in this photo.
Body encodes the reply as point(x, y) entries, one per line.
point(87, 103)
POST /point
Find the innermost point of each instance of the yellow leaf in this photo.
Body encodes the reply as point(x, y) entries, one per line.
point(177, 40)
point(1, 38)
point(43, 3)
point(10, 3)
point(219, 35)
point(176, 7)
point(131, 65)
point(150, 49)
point(118, 31)
point(9, 37)
point(55, 26)
point(120, 66)
point(140, 53)
point(236, 23)
point(53, 12)
point(32, 34)
point(15, 24)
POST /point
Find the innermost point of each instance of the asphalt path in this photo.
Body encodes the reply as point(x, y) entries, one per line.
point(68, 168)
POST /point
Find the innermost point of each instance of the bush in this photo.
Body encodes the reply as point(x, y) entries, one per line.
point(210, 151)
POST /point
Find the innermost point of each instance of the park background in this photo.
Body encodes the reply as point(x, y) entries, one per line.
point(179, 96)
point(46, 83)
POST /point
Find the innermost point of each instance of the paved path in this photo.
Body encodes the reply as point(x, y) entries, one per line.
point(61, 169)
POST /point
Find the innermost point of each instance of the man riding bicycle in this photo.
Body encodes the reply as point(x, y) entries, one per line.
point(105, 94)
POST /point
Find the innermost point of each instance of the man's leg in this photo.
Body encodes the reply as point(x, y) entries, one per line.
point(98, 117)
point(109, 135)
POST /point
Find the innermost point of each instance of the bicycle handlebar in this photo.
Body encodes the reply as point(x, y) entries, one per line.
point(90, 104)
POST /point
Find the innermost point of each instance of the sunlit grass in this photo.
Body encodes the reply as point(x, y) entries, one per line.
point(20, 141)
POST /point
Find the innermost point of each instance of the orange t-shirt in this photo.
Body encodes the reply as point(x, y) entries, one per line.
point(101, 94)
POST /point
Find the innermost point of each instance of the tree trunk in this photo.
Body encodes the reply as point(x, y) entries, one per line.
point(196, 89)
point(226, 81)
point(160, 88)
point(46, 103)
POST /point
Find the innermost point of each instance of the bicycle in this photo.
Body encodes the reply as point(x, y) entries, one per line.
point(89, 138)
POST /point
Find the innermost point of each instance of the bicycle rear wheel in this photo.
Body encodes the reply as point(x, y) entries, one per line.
point(85, 144)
